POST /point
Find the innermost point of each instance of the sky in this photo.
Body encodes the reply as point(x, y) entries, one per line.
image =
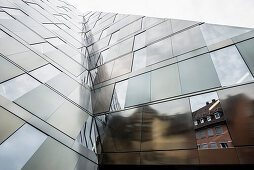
point(224, 12)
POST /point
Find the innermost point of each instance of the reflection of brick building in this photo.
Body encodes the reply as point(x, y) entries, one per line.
point(210, 127)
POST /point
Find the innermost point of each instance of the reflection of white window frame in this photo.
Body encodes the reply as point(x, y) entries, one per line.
point(202, 120)
point(217, 115)
point(198, 146)
point(195, 123)
point(205, 145)
point(225, 143)
point(209, 118)
point(216, 132)
point(213, 143)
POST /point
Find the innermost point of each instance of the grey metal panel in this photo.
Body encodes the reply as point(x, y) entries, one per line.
point(104, 72)
point(28, 60)
point(41, 101)
point(45, 73)
point(198, 74)
point(139, 59)
point(138, 90)
point(19, 148)
point(123, 131)
point(125, 46)
point(218, 156)
point(69, 119)
point(165, 82)
point(237, 104)
point(52, 155)
point(247, 52)
point(167, 126)
point(103, 98)
point(9, 123)
point(159, 51)
point(122, 65)
point(85, 164)
point(132, 158)
point(177, 157)
point(8, 70)
point(188, 40)
point(139, 41)
point(245, 155)
point(63, 83)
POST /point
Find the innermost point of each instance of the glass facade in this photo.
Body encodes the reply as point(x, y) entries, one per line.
point(82, 89)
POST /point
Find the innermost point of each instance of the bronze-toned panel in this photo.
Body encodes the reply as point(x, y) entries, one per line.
point(169, 157)
point(245, 155)
point(238, 106)
point(123, 131)
point(132, 158)
point(218, 156)
point(167, 126)
point(104, 72)
point(122, 65)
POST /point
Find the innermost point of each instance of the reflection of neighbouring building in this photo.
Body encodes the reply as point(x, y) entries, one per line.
point(210, 127)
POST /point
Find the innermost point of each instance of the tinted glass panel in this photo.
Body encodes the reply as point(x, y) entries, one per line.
point(230, 66)
point(198, 74)
point(165, 82)
point(138, 90)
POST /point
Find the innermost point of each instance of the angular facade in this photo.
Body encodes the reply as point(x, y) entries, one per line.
point(81, 90)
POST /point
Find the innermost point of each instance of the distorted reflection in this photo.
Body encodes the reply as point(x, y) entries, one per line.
point(230, 66)
point(118, 99)
point(216, 33)
point(210, 123)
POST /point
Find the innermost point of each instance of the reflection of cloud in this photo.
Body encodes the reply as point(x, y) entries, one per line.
point(199, 101)
point(120, 90)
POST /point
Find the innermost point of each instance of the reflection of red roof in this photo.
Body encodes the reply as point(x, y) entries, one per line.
point(204, 111)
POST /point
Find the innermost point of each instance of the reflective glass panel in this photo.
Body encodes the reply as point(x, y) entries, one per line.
point(19, 148)
point(139, 41)
point(178, 25)
point(198, 74)
point(45, 73)
point(122, 65)
point(18, 86)
point(230, 66)
point(139, 60)
point(119, 95)
point(138, 90)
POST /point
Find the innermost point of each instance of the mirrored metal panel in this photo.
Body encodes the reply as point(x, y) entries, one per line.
point(168, 126)
point(178, 25)
point(139, 59)
point(132, 158)
point(9, 123)
point(198, 74)
point(119, 96)
point(139, 41)
point(45, 73)
point(139, 89)
point(122, 65)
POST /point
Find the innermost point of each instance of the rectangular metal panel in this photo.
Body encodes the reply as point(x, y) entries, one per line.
point(177, 157)
point(132, 158)
point(167, 126)
point(122, 65)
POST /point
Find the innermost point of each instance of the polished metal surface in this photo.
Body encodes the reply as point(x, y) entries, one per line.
point(245, 155)
point(237, 103)
point(132, 158)
point(177, 157)
point(167, 126)
point(123, 131)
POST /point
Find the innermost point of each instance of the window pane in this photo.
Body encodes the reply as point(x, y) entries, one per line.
point(19, 148)
point(198, 74)
point(218, 130)
point(202, 134)
point(213, 145)
point(159, 51)
point(139, 60)
point(8, 70)
point(188, 40)
point(230, 66)
point(204, 146)
point(45, 73)
point(247, 51)
point(210, 132)
point(165, 82)
point(215, 33)
point(138, 90)
point(18, 86)
point(41, 101)
point(118, 99)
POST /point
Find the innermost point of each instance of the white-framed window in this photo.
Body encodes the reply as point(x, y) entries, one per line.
point(198, 146)
point(195, 123)
point(217, 115)
point(204, 146)
point(218, 130)
point(202, 120)
point(223, 145)
point(210, 132)
point(209, 118)
point(213, 145)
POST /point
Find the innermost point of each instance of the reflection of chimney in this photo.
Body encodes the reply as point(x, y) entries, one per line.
point(207, 103)
point(213, 100)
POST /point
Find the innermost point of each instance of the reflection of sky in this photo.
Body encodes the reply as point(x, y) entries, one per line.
point(139, 60)
point(200, 101)
point(18, 86)
point(20, 147)
point(45, 73)
point(120, 90)
point(230, 66)
point(216, 33)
